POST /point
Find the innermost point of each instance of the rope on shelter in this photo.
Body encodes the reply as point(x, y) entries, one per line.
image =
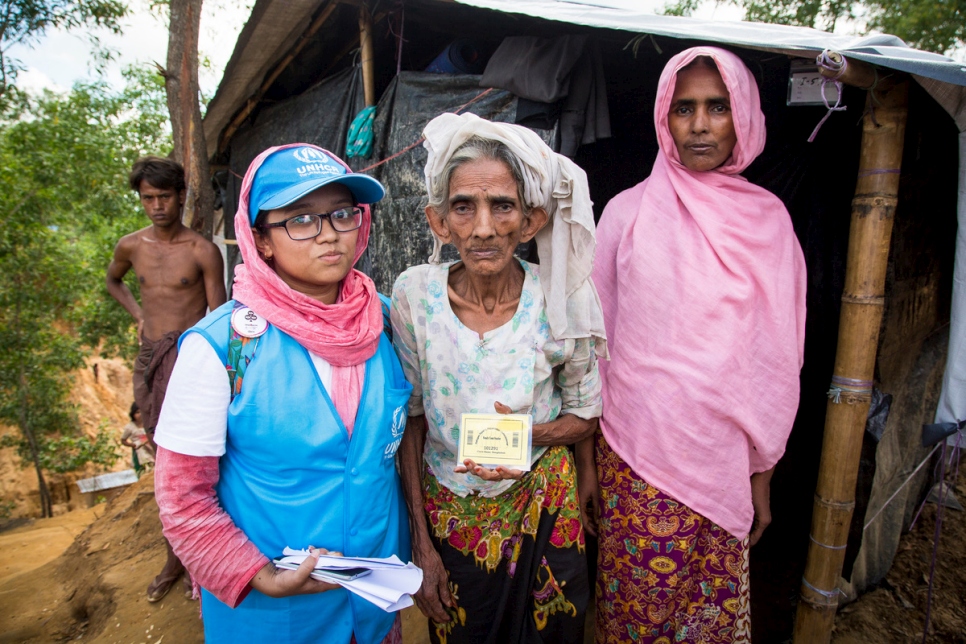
point(831, 596)
point(635, 43)
point(871, 90)
point(854, 391)
point(941, 504)
point(420, 140)
point(413, 145)
point(836, 63)
point(928, 437)
point(825, 545)
point(869, 173)
point(899, 489)
point(399, 36)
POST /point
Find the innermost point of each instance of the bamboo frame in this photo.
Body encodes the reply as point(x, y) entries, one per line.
point(352, 43)
point(873, 210)
point(368, 57)
point(856, 73)
point(253, 101)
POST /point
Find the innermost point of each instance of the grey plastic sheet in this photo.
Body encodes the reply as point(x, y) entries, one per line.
point(880, 49)
point(400, 236)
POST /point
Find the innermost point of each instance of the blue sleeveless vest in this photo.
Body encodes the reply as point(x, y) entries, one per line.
point(290, 476)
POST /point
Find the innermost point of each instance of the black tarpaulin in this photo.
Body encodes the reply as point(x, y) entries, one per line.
point(400, 235)
point(321, 115)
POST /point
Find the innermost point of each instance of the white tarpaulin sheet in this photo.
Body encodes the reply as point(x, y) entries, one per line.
point(884, 50)
point(952, 401)
point(107, 481)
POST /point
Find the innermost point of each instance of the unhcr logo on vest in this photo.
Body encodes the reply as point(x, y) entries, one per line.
point(315, 162)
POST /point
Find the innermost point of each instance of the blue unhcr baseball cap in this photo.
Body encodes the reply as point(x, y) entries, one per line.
point(290, 174)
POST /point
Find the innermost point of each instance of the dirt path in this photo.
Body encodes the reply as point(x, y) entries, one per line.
point(82, 576)
point(40, 541)
point(95, 589)
point(56, 588)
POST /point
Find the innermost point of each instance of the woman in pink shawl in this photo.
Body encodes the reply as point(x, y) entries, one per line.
point(284, 413)
point(702, 282)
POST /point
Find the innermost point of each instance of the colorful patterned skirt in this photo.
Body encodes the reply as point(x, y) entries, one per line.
point(664, 573)
point(516, 563)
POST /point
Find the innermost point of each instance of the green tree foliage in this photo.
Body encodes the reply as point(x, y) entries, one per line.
point(23, 22)
point(933, 25)
point(939, 25)
point(63, 167)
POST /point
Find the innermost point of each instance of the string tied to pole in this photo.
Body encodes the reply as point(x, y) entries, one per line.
point(825, 545)
point(836, 63)
point(420, 140)
point(936, 434)
point(852, 390)
point(831, 597)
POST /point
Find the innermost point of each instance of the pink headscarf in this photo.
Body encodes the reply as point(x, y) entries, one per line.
point(345, 334)
point(702, 281)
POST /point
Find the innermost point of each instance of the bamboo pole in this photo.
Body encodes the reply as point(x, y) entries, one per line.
point(352, 43)
point(368, 59)
point(873, 209)
point(853, 72)
point(274, 74)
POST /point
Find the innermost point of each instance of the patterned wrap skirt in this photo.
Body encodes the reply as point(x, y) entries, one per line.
point(664, 573)
point(516, 563)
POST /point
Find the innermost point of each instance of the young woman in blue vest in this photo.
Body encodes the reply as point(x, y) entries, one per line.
point(284, 413)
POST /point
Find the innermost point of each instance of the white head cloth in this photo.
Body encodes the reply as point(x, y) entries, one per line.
point(565, 245)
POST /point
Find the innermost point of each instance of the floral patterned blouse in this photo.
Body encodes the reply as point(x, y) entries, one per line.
point(453, 370)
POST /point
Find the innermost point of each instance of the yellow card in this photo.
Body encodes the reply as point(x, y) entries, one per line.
point(496, 439)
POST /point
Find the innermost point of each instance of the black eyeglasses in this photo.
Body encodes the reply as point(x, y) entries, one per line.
point(308, 226)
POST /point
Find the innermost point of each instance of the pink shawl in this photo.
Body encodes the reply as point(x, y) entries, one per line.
point(702, 282)
point(345, 334)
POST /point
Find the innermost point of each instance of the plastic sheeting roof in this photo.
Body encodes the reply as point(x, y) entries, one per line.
point(274, 24)
point(887, 51)
point(271, 29)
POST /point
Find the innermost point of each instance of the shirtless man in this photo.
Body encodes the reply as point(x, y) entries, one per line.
point(181, 277)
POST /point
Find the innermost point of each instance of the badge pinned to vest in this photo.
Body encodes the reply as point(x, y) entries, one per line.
point(247, 323)
point(246, 329)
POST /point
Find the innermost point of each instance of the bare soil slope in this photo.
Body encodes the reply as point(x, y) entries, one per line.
point(103, 393)
point(95, 590)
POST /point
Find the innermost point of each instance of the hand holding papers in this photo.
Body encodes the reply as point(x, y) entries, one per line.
point(496, 439)
point(387, 583)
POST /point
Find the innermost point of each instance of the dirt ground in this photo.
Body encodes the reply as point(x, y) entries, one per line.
point(82, 576)
point(895, 610)
point(55, 588)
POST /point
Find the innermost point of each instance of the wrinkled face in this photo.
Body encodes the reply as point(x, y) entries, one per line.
point(484, 218)
point(161, 205)
point(311, 266)
point(700, 119)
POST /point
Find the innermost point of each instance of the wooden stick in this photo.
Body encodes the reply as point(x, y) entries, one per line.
point(352, 43)
point(368, 58)
point(857, 73)
point(873, 209)
point(253, 101)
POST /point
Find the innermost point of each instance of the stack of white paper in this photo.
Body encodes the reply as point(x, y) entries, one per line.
point(389, 584)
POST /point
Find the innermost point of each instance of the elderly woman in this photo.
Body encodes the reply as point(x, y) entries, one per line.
point(703, 285)
point(293, 444)
point(501, 550)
